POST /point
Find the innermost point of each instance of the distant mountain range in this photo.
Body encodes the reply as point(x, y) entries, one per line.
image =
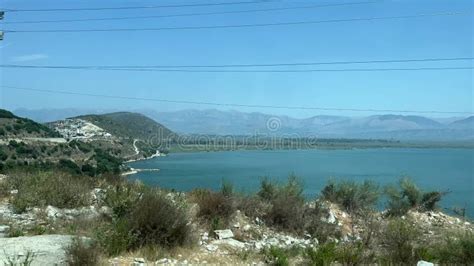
point(400, 127)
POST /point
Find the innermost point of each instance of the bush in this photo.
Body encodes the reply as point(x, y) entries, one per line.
point(123, 197)
point(152, 220)
point(352, 196)
point(155, 220)
point(351, 253)
point(316, 226)
point(115, 238)
point(409, 196)
point(429, 200)
point(69, 166)
point(457, 249)
point(215, 207)
point(399, 237)
point(287, 204)
point(276, 256)
point(80, 253)
point(39, 189)
point(324, 255)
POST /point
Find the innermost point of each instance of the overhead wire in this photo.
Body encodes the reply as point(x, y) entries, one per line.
point(234, 104)
point(191, 14)
point(241, 25)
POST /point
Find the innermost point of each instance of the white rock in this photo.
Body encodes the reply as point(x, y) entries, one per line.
point(424, 263)
point(162, 261)
point(46, 249)
point(231, 243)
point(236, 225)
point(4, 230)
point(139, 262)
point(331, 217)
point(224, 234)
point(246, 227)
point(211, 247)
point(52, 212)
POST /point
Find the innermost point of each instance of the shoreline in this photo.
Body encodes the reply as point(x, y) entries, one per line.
point(133, 171)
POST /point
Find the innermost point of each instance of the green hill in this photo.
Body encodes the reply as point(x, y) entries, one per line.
point(12, 126)
point(130, 125)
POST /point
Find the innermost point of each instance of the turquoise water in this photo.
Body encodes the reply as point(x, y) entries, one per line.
point(439, 169)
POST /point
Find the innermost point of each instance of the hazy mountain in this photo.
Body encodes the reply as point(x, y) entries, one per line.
point(467, 123)
point(211, 121)
point(388, 126)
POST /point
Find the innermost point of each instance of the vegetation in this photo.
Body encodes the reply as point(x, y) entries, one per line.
point(216, 208)
point(352, 196)
point(81, 253)
point(58, 189)
point(458, 248)
point(408, 196)
point(143, 217)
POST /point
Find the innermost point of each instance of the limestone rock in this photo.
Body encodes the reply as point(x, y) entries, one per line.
point(44, 250)
point(224, 234)
point(424, 263)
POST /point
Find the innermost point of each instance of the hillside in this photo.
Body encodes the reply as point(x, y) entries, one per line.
point(12, 126)
point(467, 123)
point(130, 125)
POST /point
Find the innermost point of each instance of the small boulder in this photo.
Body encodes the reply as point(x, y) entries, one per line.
point(224, 234)
point(424, 263)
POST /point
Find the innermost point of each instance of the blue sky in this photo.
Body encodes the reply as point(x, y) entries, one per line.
point(427, 37)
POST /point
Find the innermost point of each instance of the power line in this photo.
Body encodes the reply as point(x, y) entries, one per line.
point(191, 14)
point(417, 60)
point(234, 104)
point(248, 71)
point(138, 7)
point(244, 25)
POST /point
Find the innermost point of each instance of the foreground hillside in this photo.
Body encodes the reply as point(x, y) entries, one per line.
point(53, 217)
point(90, 145)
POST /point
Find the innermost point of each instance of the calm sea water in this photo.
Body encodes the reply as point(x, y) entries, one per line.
point(437, 169)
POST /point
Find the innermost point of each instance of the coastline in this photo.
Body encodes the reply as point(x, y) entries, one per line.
point(133, 171)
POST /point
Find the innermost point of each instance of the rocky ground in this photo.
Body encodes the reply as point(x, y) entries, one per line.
point(36, 235)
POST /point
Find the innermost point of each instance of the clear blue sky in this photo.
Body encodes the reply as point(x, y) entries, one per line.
point(371, 40)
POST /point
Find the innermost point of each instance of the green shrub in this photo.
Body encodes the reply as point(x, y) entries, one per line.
point(351, 253)
point(152, 221)
point(155, 220)
point(276, 256)
point(352, 196)
point(324, 255)
point(80, 253)
point(3, 155)
point(115, 238)
point(215, 207)
point(408, 196)
point(122, 197)
point(39, 189)
point(69, 166)
point(457, 249)
point(268, 190)
point(429, 200)
point(287, 204)
point(106, 163)
point(399, 238)
point(316, 226)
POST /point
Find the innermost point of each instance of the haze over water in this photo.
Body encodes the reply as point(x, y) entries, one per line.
point(435, 169)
